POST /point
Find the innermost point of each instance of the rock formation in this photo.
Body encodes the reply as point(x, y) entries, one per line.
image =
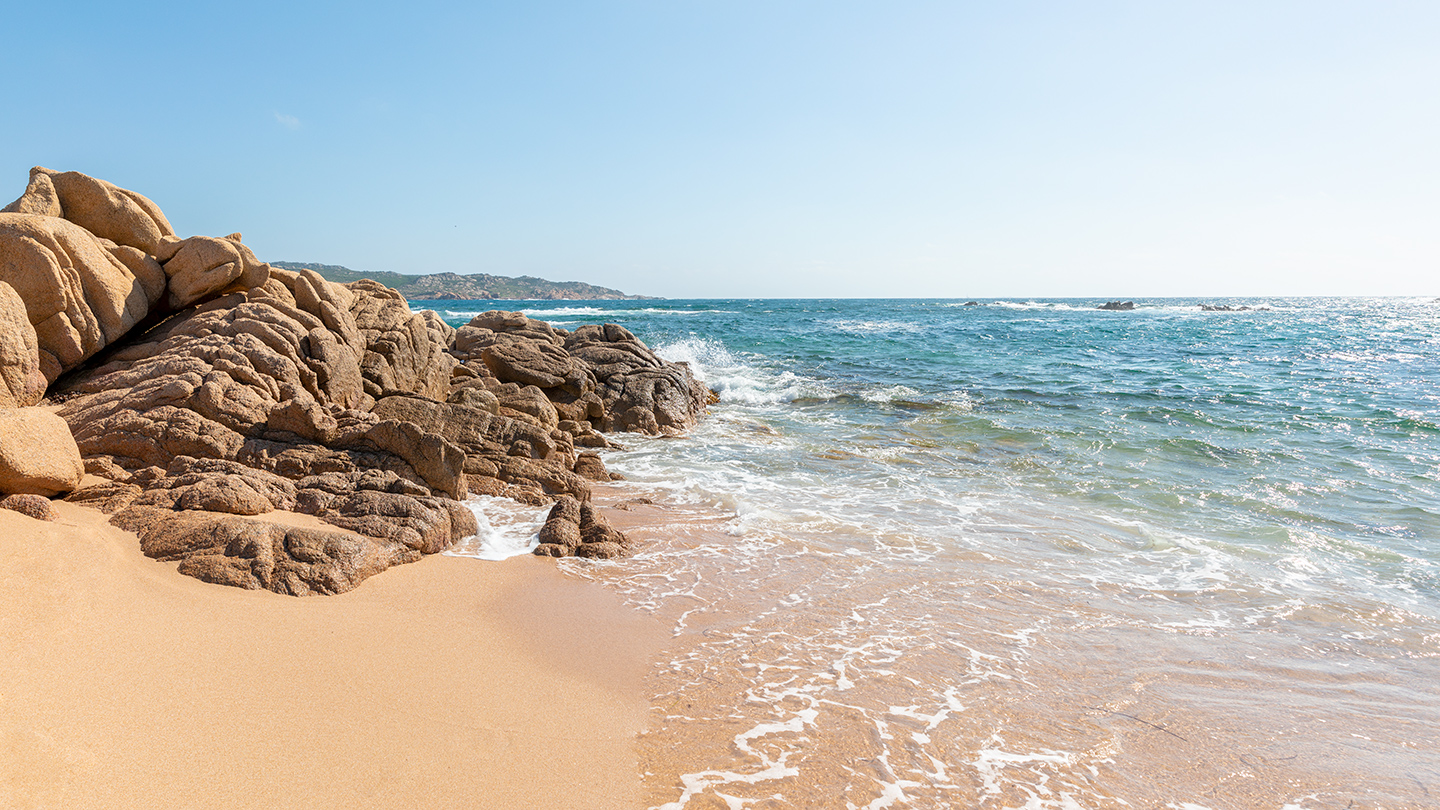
point(1117, 306)
point(573, 529)
point(21, 382)
point(33, 506)
point(105, 210)
point(210, 390)
point(81, 292)
point(38, 456)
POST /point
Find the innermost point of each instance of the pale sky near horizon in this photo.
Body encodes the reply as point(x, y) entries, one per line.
point(767, 149)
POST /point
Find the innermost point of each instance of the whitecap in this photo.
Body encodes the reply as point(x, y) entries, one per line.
point(855, 327)
point(894, 393)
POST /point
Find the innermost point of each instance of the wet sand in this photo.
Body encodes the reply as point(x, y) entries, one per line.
point(445, 683)
point(789, 682)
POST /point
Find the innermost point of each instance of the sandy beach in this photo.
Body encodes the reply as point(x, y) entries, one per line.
point(446, 683)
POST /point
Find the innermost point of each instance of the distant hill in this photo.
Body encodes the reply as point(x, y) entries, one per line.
point(474, 287)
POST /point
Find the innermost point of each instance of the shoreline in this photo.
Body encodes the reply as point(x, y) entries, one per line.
point(444, 683)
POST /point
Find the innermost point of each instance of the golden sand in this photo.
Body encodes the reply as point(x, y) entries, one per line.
point(446, 683)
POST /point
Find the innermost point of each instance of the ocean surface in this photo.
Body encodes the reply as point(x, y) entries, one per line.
point(1031, 554)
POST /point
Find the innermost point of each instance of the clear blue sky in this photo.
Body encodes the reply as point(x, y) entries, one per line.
point(766, 149)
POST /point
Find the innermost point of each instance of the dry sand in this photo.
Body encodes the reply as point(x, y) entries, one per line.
point(446, 683)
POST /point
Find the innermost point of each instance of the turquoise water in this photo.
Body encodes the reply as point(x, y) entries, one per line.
point(1034, 554)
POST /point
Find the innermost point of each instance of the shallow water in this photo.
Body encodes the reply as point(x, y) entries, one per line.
point(1032, 554)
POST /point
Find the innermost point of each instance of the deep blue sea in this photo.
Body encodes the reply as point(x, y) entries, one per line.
point(1029, 553)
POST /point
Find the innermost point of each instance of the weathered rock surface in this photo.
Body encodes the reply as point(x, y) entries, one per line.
point(426, 525)
point(639, 391)
point(90, 261)
point(246, 553)
point(251, 403)
point(574, 529)
point(35, 506)
point(219, 485)
point(21, 382)
point(401, 355)
point(79, 295)
point(601, 375)
point(509, 450)
point(40, 197)
point(212, 390)
point(1117, 306)
point(38, 455)
point(106, 210)
point(202, 266)
point(591, 466)
point(108, 497)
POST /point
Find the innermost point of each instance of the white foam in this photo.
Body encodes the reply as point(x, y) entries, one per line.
point(959, 400)
point(1051, 305)
point(992, 762)
point(700, 353)
point(894, 393)
point(873, 327)
point(507, 529)
point(771, 769)
point(452, 313)
point(613, 313)
point(736, 379)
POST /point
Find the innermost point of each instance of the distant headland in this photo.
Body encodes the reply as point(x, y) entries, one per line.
point(473, 287)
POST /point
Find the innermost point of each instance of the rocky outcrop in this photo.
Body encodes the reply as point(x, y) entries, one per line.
point(212, 391)
point(402, 354)
point(202, 266)
point(251, 554)
point(81, 293)
point(601, 376)
point(21, 382)
point(40, 198)
point(639, 391)
point(38, 456)
point(1117, 306)
point(574, 529)
point(91, 261)
point(257, 402)
point(513, 451)
point(108, 497)
point(103, 209)
point(33, 506)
